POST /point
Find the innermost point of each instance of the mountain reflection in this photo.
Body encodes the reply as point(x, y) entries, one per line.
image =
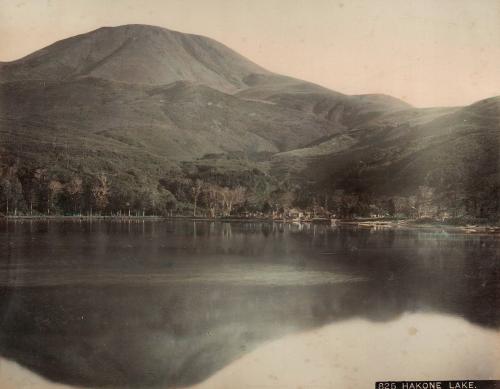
point(168, 304)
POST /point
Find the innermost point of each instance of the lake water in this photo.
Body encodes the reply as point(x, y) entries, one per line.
point(172, 304)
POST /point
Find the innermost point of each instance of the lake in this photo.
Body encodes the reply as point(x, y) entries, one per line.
point(169, 304)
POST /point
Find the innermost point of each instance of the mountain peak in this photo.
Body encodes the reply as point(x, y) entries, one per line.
point(135, 27)
point(136, 53)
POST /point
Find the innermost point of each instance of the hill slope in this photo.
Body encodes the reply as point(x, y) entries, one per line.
point(341, 110)
point(455, 152)
point(179, 121)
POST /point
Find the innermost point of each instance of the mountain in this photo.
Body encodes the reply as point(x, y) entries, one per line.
point(142, 104)
point(135, 54)
point(142, 92)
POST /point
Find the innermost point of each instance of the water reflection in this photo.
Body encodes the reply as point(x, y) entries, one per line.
point(353, 354)
point(168, 304)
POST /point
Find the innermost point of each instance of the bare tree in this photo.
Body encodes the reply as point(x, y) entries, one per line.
point(425, 202)
point(196, 190)
point(11, 191)
point(38, 188)
point(232, 197)
point(6, 192)
point(100, 192)
point(213, 198)
point(74, 189)
point(349, 203)
point(53, 189)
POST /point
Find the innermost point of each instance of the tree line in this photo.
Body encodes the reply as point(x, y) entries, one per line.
point(201, 191)
point(40, 192)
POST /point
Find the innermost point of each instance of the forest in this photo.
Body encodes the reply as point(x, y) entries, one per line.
point(221, 187)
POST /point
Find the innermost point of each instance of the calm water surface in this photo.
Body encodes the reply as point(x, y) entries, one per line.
point(170, 304)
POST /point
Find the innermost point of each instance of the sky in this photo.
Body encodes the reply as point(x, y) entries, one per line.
point(426, 52)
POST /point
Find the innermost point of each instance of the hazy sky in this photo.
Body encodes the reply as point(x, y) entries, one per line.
point(427, 52)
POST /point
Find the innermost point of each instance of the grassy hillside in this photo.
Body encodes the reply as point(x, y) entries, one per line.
point(177, 121)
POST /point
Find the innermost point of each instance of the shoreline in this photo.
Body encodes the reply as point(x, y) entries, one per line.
point(360, 223)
